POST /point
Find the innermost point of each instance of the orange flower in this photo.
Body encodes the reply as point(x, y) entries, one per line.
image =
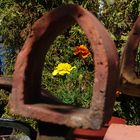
point(118, 93)
point(82, 51)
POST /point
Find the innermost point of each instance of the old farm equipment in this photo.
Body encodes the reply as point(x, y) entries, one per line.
point(54, 118)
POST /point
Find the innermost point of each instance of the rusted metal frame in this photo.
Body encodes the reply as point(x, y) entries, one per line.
point(26, 96)
point(50, 131)
point(129, 81)
point(89, 134)
point(6, 84)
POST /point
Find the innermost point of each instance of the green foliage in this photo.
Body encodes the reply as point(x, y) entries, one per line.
point(75, 88)
point(16, 18)
point(15, 23)
point(128, 107)
point(3, 101)
point(119, 18)
point(137, 68)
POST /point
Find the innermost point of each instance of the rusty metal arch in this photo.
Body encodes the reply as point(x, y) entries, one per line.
point(129, 81)
point(26, 98)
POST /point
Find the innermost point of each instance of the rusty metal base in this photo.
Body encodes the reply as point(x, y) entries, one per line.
point(49, 131)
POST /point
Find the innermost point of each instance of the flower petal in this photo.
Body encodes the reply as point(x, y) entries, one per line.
point(55, 72)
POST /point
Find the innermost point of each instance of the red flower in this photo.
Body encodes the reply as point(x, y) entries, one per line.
point(82, 51)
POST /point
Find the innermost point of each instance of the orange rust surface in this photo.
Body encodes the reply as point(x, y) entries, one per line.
point(27, 99)
point(129, 81)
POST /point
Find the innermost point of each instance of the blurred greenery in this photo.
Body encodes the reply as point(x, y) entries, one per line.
point(16, 19)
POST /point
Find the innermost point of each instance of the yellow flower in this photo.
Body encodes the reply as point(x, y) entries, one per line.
point(82, 51)
point(62, 69)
